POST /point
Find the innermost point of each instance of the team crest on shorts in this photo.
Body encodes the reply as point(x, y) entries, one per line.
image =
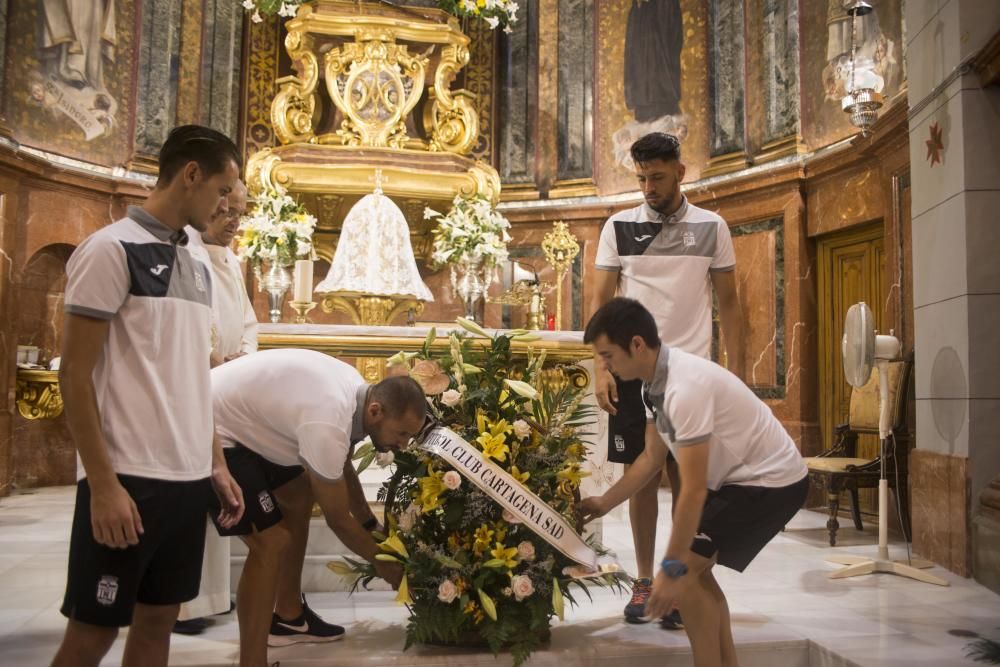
point(107, 590)
point(266, 502)
point(619, 443)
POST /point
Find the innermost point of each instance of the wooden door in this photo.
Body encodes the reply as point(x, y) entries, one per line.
point(851, 269)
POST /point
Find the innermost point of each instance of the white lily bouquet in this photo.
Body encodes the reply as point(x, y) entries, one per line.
point(286, 8)
point(496, 13)
point(278, 230)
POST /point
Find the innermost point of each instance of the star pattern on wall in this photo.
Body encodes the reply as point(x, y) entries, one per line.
point(935, 145)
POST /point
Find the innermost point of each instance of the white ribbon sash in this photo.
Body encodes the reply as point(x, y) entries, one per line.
point(510, 494)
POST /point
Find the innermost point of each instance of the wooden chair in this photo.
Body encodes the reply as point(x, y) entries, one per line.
point(840, 469)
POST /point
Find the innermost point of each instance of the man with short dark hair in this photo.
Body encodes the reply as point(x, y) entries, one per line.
point(289, 420)
point(669, 255)
point(135, 381)
point(742, 478)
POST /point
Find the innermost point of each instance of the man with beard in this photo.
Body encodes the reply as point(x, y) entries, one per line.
point(288, 421)
point(669, 255)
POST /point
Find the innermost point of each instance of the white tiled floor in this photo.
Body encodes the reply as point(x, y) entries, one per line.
point(785, 609)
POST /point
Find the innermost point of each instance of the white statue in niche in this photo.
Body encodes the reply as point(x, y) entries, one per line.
point(374, 255)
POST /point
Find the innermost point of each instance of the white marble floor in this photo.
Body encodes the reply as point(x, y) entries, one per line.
point(785, 609)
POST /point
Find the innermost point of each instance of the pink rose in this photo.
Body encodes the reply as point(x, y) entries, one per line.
point(522, 586)
point(526, 551)
point(451, 398)
point(447, 591)
point(452, 480)
point(510, 517)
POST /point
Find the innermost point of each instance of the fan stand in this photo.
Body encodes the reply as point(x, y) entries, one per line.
point(859, 565)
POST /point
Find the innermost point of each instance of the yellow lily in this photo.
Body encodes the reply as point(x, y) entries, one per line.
point(341, 568)
point(403, 595)
point(522, 389)
point(472, 327)
point(393, 543)
point(557, 599)
point(522, 477)
point(489, 606)
point(494, 446)
point(431, 488)
point(506, 556)
point(483, 537)
point(572, 474)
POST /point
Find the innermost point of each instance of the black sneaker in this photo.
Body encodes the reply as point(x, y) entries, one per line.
point(192, 626)
point(635, 610)
point(672, 621)
point(307, 628)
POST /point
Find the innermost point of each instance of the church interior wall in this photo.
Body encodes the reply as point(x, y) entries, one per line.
point(533, 104)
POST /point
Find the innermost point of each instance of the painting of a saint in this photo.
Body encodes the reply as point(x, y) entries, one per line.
point(654, 38)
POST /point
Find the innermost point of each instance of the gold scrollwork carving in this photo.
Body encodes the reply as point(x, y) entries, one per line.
point(295, 104)
point(451, 119)
point(38, 395)
point(375, 83)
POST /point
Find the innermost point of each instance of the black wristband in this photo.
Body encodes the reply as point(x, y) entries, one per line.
point(370, 525)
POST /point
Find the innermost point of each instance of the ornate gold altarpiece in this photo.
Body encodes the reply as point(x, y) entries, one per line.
point(372, 90)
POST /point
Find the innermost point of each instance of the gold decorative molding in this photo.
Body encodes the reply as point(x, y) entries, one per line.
point(38, 395)
point(560, 248)
point(577, 187)
point(295, 104)
point(779, 148)
point(723, 164)
point(370, 310)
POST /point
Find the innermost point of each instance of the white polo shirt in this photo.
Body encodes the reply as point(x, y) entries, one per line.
point(697, 400)
point(664, 263)
point(293, 407)
point(151, 380)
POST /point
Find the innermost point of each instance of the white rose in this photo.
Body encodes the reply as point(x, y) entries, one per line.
point(522, 587)
point(526, 551)
point(451, 398)
point(447, 591)
point(509, 517)
point(452, 480)
point(384, 458)
point(521, 429)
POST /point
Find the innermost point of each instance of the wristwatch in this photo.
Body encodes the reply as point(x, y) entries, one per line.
point(371, 524)
point(674, 569)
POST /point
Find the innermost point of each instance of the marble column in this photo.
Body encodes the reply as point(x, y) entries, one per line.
point(3, 61)
point(222, 44)
point(156, 87)
point(517, 105)
point(727, 144)
point(575, 132)
point(956, 276)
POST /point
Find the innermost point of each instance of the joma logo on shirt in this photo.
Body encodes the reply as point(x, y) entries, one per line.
point(158, 269)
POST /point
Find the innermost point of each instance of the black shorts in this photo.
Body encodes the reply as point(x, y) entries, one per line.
point(627, 429)
point(738, 521)
point(104, 584)
point(257, 477)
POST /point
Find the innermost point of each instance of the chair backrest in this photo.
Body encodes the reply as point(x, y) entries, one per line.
point(863, 416)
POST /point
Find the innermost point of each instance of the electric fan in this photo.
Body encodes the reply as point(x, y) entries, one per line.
point(861, 347)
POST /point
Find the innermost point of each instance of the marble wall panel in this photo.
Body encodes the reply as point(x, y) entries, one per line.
point(3, 42)
point(193, 18)
point(825, 56)
point(159, 57)
point(517, 103)
point(760, 280)
point(221, 66)
point(62, 217)
point(481, 80)
point(260, 72)
point(653, 57)
point(8, 336)
point(845, 200)
point(939, 488)
point(772, 96)
point(576, 89)
point(725, 78)
point(70, 95)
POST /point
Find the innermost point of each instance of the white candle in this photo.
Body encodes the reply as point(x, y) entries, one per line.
point(303, 280)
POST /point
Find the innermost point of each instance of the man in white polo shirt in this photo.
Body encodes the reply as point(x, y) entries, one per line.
point(135, 380)
point(742, 478)
point(669, 255)
point(288, 420)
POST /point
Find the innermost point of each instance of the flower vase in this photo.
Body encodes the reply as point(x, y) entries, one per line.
point(276, 282)
point(470, 281)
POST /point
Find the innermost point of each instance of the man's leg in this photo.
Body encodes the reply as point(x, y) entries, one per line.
point(84, 645)
point(702, 604)
point(643, 510)
point(148, 642)
point(255, 595)
point(726, 643)
point(295, 500)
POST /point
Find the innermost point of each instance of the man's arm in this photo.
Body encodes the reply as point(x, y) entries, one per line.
point(358, 503)
point(649, 462)
point(605, 390)
point(228, 491)
point(114, 517)
point(334, 498)
point(731, 318)
point(692, 462)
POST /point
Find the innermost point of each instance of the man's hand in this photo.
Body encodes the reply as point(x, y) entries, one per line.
point(391, 572)
point(230, 497)
point(114, 517)
point(606, 390)
point(666, 595)
point(592, 508)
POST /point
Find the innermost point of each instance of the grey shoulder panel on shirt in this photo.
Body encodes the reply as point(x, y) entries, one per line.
point(723, 269)
point(191, 281)
point(604, 267)
point(687, 442)
point(88, 312)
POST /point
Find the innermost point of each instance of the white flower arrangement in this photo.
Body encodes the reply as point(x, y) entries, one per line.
point(286, 8)
point(473, 233)
point(496, 13)
point(277, 229)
